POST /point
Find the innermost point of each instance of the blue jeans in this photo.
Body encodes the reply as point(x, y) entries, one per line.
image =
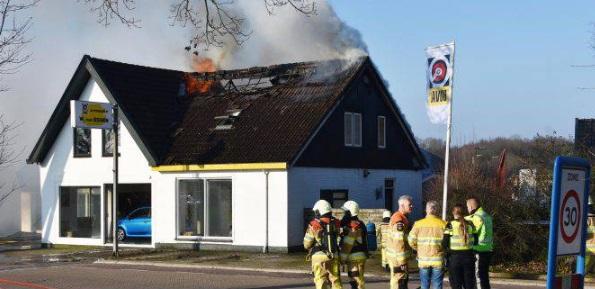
point(434, 275)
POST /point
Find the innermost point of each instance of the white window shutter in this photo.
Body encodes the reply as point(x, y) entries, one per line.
point(357, 129)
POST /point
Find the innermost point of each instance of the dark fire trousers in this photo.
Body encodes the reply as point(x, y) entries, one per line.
point(461, 269)
point(482, 267)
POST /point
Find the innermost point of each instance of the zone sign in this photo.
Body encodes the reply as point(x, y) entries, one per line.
point(570, 225)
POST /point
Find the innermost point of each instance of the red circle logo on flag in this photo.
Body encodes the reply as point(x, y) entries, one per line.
point(439, 71)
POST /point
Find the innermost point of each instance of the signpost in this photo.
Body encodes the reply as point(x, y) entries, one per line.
point(97, 115)
point(568, 221)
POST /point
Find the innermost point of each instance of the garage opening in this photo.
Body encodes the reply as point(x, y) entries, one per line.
point(133, 216)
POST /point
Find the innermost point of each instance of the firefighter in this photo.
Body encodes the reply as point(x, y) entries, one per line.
point(321, 241)
point(381, 236)
point(590, 254)
point(426, 237)
point(354, 249)
point(459, 238)
point(397, 249)
point(485, 241)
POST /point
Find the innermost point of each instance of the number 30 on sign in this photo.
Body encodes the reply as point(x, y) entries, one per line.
point(571, 212)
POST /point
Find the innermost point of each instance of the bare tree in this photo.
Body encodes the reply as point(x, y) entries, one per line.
point(213, 20)
point(8, 156)
point(13, 40)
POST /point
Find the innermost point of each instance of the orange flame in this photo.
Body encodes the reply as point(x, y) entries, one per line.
point(195, 85)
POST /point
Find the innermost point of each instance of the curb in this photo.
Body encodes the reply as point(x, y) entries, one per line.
point(496, 280)
point(19, 248)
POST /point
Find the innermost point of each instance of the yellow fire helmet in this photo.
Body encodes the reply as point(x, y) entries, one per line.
point(322, 207)
point(386, 214)
point(352, 207)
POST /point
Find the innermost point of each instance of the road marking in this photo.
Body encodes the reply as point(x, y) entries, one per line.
point(23, 284)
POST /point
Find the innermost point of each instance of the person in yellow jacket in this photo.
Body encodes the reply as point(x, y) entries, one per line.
point(426, 237)
point(459, 238)
point(397, 249)
point(382, 236)
point(321, 241)
point(590, 250)
point(354, 245)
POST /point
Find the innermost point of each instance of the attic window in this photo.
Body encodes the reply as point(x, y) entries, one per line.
point(225, 122)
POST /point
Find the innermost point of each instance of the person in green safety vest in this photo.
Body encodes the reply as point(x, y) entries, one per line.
point(459, 237)
point(590, 250)
point(485, 241)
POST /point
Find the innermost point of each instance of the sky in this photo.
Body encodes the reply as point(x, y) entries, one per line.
point(514, 73)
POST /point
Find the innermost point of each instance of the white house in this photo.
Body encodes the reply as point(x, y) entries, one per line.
point(227, 159)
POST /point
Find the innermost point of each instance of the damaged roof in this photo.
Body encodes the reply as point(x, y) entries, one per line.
point(260, 114)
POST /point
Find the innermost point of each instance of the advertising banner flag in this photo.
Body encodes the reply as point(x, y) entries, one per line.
point(439, 74)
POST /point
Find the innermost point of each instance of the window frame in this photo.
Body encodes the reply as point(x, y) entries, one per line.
point(101, 220)
point(329, 196)
point(74, 141)
point(352, 131)
point(383, 145)
point(103, 142)
point(204, 237)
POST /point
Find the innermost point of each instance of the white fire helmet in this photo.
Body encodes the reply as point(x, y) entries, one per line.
point(386, 214)
point(352, 207)
point(322, 206)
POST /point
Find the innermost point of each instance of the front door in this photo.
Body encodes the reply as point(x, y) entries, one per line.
point(389, 189)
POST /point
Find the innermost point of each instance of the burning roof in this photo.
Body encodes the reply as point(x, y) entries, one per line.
point(259, 114)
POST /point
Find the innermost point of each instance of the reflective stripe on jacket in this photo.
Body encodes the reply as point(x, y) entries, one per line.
point(484, 228)
point(397, 250)
point(354, 239)
point(313, 236)
point(382, 234)
point(457, 236)
point(426, 237)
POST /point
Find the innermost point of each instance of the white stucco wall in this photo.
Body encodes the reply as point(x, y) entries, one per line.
point(248, 190)
point(248, 207)
point(61, 169)
point(305, 185)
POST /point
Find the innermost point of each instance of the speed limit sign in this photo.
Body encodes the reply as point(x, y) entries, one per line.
point(571, 212)
point(568, 221)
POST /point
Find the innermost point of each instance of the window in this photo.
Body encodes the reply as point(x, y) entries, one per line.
point(82, 142)
point(107, 141)
point(80, 212)
point(382, 132)
point(353, 129)
point(336, 197)
point(204, 208)
point(141, 213)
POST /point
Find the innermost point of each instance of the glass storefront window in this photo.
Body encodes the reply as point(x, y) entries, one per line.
point(204, 214)
point(191, 207)
point(80, 212)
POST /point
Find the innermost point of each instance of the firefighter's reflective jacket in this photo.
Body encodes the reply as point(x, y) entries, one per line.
point(426, 237)
point(397, 249)
point(354, 245)
point(322, 237)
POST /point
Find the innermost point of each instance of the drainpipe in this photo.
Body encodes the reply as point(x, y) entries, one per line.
point(265, 248)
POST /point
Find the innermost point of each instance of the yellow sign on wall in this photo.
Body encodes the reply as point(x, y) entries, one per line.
point(86, 114)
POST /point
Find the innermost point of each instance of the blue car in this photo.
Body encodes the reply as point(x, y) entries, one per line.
point(136, 224)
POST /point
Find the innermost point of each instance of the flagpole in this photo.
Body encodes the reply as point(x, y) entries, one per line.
point(448, 129)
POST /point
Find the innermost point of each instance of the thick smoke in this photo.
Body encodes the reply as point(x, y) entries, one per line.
point(289, 36)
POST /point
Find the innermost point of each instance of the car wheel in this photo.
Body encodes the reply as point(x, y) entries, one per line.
point(121, 234)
